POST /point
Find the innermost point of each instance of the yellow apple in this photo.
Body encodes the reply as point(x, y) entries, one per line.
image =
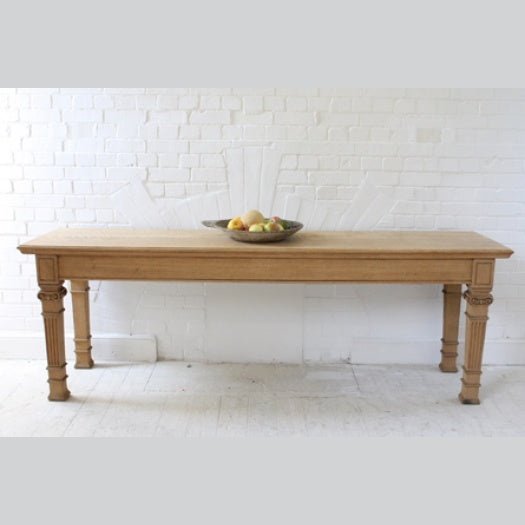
point(235, 224)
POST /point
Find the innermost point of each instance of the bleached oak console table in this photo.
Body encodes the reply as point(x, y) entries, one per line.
point(450, 258)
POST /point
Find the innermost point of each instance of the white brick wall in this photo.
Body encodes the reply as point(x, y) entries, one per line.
point(332, 158)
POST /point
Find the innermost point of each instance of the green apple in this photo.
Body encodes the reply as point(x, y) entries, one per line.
point(256, 228)
point(272, 227)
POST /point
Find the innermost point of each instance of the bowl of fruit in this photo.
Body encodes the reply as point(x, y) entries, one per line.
point(254, 227)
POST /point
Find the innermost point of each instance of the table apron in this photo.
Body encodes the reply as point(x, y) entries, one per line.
point(234, 268)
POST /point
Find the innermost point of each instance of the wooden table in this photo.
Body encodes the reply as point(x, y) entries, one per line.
point(449, 258)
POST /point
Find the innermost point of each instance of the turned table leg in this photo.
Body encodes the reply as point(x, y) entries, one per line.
point(80, 301)
point(451, 311)
point(51, 297)
point(478, 301)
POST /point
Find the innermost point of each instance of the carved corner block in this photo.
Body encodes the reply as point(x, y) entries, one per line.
point(47, 269)
point(483, 273)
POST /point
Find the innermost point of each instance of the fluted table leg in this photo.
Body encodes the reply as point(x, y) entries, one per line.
point(80, 302)
point(451, 311)
point(51, 297)
point(478, 301)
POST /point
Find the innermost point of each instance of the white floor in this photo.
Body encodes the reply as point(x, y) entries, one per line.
point(178, 399)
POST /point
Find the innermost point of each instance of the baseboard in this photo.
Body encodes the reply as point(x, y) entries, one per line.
point(119, 347)
point(504, 352)
point(374, 351)
point(388, 351)
point(107, 347)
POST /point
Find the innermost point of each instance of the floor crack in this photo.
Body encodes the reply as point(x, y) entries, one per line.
point(355, 378)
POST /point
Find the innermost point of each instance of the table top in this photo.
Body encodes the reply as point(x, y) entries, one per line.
point(304, 244)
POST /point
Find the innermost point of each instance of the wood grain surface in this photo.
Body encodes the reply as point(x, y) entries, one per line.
point(204, 243)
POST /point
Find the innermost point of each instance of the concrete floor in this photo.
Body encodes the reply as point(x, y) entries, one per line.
point(178, 399)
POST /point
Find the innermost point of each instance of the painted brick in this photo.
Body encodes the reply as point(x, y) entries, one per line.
point(233, 132)
point(82, 115)
point(82, 187)
point(254, 133)
point(105, 159)
point(208, 174)
point(130, 117)
point(6, 157)
point(189, 132)
point(338, 134)
point(123, 159)
point(327, 192)
point(301, 133)
point(167, 146)
point(116, 146)
point(35, 115)
point(169, 160)
point(210, 132)
point(296, 118)
point(126, 173)
point(275, 133)
point(104, 216)
point(103, 102)
point(33, 173)
point(84, 159)
point(189, 161)
point(231, 103)
point(42, 186)
point(289, 162)
point(293, 177)
point(428, 159)
point(210, 102)
point(126, 131)
point(210, 117)
point(84, 101)
point(212, 161)
point(84, 145)
point(174, 189)
point(6, 214)
point(86, 174)
point(327, 162)
point(74, 201)
point(165, 132)
point(85, 215)
point(252, 119)
point(308, 161)
point(169, 174)
point(252, 104)
point(329, 177)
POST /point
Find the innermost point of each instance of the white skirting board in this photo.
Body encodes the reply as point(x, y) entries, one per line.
point(377, 351)
point(118, 347)
point(107, 347)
